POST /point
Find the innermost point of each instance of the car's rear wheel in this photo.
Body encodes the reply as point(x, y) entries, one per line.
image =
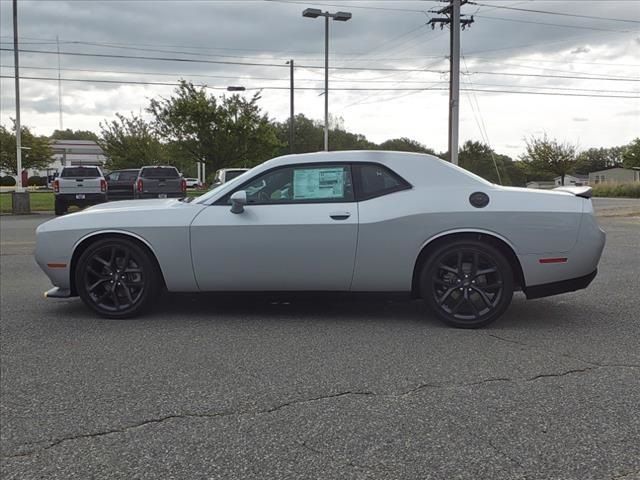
point(117, 278)
point(467, 283)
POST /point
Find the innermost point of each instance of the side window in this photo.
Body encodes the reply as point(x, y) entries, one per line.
point(113, 177)
point(375, 180)
point(128, 176)
point(301, 184)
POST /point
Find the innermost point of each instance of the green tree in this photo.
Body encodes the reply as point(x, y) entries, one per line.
point(595, 159)
point(130, 142)
point(308, 135)
point(480, 159)
point(550, 156)
point(631, 154)
point(404, 144)
point(224, 132)
point(69, 134)
point(36, 153)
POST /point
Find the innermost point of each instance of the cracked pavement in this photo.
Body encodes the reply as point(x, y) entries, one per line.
point(207, 387)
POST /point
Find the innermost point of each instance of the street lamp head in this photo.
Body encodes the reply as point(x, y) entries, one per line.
point(342, 16)
point(235, 89)
point(311, 12)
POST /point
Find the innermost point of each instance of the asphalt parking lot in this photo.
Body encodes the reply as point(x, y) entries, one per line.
point(297, 388)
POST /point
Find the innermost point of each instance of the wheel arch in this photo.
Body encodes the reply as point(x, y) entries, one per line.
point(490, 238)
point(89, 239)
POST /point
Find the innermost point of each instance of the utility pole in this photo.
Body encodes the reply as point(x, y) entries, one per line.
point(20, 197)
point(291, 112)
point(17, 79)
point(453, 18)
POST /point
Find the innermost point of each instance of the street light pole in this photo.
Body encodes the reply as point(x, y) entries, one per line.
point(17, 79)
point(326, 83)
point(291, 111)
point(340, 17)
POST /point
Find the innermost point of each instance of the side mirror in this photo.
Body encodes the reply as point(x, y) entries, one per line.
point(238, 201)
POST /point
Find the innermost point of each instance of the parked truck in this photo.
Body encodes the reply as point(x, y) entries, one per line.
point(160, 182)
point(81, 186)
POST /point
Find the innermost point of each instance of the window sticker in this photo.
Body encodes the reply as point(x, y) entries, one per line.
point(314, 183)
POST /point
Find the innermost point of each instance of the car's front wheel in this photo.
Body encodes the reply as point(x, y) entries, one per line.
point(117, 278)
point(467, 283)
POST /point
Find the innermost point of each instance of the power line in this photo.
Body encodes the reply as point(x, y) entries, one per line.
point(562, 25)
point(340, 80)
point(217, 62)
point(132, 82)
point(546, 12)
point(277, 65)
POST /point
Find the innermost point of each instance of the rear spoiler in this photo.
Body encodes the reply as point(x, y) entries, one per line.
point(584, 192)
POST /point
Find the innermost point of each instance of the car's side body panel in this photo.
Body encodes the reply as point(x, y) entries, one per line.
point(401, 224)
point(162, 225)
point(275, 247)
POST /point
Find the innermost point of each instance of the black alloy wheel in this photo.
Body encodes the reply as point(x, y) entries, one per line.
point(116, 278)
point(468, 283)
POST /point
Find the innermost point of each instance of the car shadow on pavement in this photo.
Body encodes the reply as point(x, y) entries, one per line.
point(541, 314)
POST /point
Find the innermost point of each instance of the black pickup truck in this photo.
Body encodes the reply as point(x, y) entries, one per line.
point(122, 183)
point(160, 182)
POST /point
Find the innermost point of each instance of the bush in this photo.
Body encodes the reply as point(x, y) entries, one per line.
point(7, 181)
point(36, 181)
point(630, 190)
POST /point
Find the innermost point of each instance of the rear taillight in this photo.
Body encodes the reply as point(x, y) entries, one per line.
point(183, 185)
point(140, 185)
point(56, 186)
point(103, 185)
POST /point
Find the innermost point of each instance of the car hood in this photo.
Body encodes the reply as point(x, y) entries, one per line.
point(126, 215)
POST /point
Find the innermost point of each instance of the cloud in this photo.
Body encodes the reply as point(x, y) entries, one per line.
point(271, 33)
point(580, 50)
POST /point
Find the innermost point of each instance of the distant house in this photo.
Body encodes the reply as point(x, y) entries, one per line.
point(574, 179)
point(543, 184)
point(615, 175)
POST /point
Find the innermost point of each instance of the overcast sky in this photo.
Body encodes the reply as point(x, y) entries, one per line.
point(382, 41)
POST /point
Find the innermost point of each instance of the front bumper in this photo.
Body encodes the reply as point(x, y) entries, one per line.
point(556, 288)
point(57, 292)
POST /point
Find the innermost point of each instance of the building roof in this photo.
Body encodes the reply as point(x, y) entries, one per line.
point(613, 168)
point(87, 147)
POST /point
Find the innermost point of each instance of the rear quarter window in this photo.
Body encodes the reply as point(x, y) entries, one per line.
point(374, 180)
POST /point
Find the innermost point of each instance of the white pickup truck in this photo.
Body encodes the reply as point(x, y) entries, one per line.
point(80, 186)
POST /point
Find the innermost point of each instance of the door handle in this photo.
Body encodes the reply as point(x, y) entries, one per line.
point(340, 215)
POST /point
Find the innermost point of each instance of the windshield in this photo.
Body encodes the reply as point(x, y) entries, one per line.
point(231, 174)
point(159, 172)
point(80, 172)
point(238, 179)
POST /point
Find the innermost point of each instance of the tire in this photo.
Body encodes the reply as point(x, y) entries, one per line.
point(60, 207)
point(117, 278)
point(467, 283)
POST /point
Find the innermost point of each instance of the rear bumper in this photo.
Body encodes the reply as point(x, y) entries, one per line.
point(564, 286)
point(89, 199)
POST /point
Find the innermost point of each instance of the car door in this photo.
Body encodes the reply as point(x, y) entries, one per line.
point(298, 231)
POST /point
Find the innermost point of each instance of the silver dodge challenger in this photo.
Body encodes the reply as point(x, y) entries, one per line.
point(360, 221)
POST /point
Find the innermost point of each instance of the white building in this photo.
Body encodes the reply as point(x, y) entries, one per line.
point(615, 175)
point(572, 180)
